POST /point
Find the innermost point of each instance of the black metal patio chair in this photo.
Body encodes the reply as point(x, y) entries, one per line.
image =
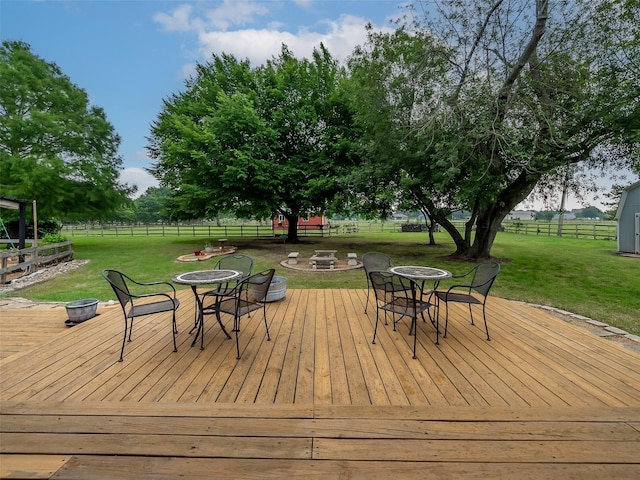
point(138, 305)
point(400, 296)
point(248, 296)
point(239, 263)
point(474, 292)
point(374, 262)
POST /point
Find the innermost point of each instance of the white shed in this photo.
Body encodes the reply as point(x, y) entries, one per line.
point(628, 217)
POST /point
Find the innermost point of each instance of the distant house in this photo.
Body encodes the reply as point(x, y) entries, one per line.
point(311, 223)
point(628, 217)
point(521, 215)
point(567, 216)
point(398, 216)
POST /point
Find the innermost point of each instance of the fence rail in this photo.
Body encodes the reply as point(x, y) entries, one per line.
point(573, 229)
point(28, 259)
point(206, 230)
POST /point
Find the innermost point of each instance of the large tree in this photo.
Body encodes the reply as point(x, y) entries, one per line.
point(255, 142)
point(55, 147)
point(530, 88)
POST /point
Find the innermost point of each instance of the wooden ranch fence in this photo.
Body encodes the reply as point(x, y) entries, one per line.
point(29, 259)
point(586, 229)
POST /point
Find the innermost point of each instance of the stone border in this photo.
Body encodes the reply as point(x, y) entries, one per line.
point(596, 327)
point(303, 266)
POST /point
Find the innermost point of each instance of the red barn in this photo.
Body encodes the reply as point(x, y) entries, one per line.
point(311, 223)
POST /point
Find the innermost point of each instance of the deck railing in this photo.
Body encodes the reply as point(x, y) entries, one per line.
point(29, 259)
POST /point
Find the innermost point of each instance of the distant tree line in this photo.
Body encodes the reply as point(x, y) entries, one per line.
point(466, 106)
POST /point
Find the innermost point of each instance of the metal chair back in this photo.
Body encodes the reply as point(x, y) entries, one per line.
point(162, 302)
point(484, 276)
point(374, 262)
point(248, 296)
point(238, 262)
point(398, 295)
point(119, 286)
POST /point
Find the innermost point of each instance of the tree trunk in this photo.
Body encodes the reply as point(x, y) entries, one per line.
point(430, 224)
point(461, 245)
point(292, 231)
point(441, 216)
point(490, 217)
point(432, 228)
point(486, 231)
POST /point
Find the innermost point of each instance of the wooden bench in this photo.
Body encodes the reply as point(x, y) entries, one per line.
point(293, 258)
point(352, 259)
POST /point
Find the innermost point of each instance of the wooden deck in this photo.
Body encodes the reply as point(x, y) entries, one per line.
point(542, 399)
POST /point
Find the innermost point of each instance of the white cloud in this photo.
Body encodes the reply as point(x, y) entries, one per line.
point(228, 13)
point(340, 37)
point(303, 3)
point(215, 33)
point(178, 20)
point(188, 70)
point(139, 177)
point(235, 12)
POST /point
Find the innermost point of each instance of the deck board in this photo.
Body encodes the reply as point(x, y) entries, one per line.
point(542, 399)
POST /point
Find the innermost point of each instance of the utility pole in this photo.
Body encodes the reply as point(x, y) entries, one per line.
point(565, 186)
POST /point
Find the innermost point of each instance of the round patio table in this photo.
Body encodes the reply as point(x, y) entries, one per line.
point(422, 275)
point(205, 277)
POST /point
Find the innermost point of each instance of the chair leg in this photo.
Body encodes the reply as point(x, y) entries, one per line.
point(266, 325)
point(437, 331)
point(471, 314)
point(224, 330)
point(414, 323)
point(446, 318)
point(375, 329)
point(486, 327)
point(174, 329)
point(366, 304)
point(236, 321)
point(130, 328)
point(436, 314)
point(124, 339)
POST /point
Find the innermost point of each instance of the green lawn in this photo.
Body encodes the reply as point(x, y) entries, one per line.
point(582, 276)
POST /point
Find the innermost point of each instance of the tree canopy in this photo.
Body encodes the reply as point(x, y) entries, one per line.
point(475, 103)
point(55, 147)
point(255, 142)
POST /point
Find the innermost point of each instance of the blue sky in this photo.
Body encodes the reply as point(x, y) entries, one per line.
point(129, 55)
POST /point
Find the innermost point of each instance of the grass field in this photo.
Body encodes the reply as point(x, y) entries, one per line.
point(586, 277)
